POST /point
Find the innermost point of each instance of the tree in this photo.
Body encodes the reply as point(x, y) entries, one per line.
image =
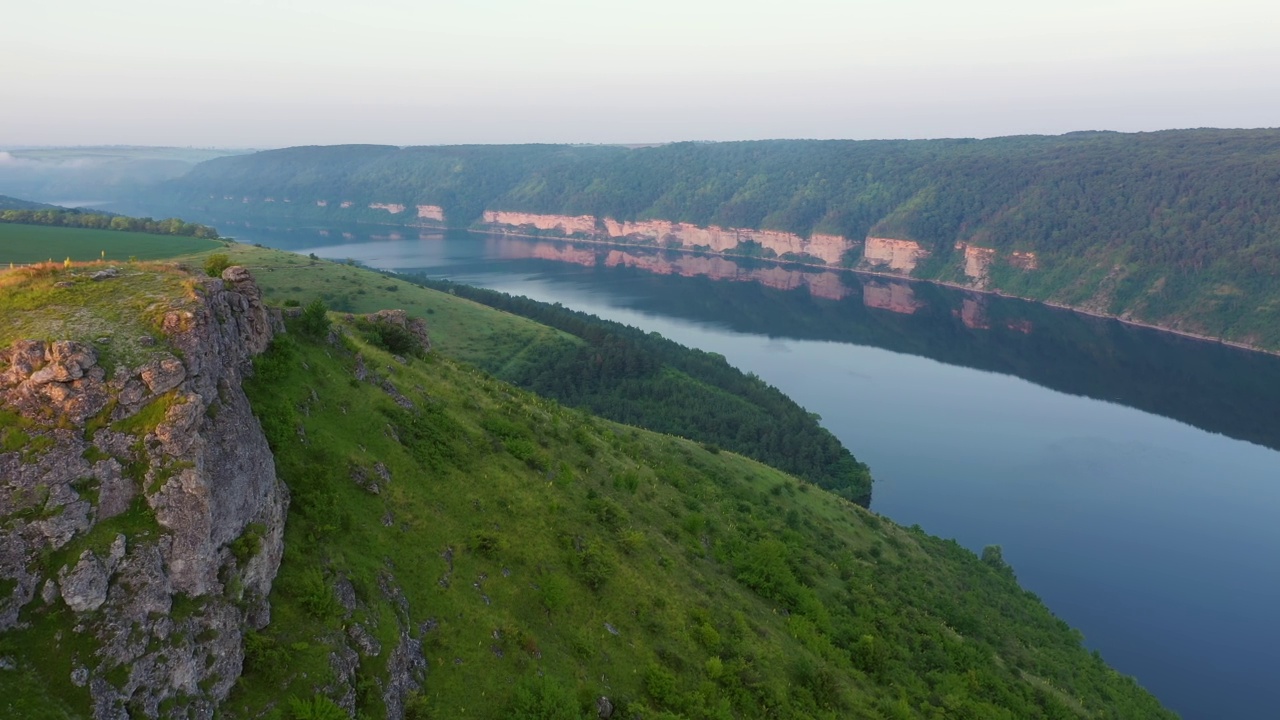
point(315, 320)
point(993, 556)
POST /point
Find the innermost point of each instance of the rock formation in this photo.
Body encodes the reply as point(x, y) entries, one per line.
point(829, 249)
point(139, 491)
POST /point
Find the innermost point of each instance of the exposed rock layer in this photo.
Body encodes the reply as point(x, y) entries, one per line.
point(128, 497)
point(829, 249)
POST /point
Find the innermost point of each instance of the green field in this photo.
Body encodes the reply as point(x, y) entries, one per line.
point(21, 244)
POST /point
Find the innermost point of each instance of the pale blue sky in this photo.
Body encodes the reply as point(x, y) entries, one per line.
point(286, 72)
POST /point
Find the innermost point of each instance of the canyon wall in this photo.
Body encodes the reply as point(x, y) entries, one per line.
point(890, 254)
point(829, 249)
point(139, 489)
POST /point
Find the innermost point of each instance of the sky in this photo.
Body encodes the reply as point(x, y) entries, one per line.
point(272, 73)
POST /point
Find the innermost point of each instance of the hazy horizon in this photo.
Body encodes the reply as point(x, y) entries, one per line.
point(279, 73)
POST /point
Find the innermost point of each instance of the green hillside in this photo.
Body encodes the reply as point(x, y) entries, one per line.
point(1176, 228)
point(458, 547)
point(605, 368)
point(544, 558)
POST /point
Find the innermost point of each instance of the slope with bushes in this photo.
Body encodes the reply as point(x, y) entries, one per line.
point(537, 559)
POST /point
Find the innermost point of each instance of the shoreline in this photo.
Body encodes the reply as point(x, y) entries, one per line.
point(896, 276)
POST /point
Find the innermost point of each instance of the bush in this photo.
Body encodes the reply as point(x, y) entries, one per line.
point(216, 263)
point(542, 698)
point(314, 322)
point(317, 708)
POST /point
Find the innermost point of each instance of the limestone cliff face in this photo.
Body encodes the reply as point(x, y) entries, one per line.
point(830, 249)
point(895, 255)
point(139, 489)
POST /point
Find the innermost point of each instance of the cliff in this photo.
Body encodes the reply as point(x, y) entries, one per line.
point(819, 248)
point(142, 517)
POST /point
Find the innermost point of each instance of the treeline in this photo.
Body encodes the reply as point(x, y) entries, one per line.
point(625, 374)
point(1179, 228)
point(61, 217)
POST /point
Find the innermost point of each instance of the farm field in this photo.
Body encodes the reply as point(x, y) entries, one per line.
point(21, 244)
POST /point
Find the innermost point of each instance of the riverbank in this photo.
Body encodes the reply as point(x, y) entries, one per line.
point(485, 230)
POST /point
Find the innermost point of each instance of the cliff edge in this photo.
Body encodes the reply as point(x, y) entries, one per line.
point(141, 519)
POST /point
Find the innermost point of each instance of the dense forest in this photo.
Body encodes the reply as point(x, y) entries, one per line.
point(638, 378)
point(1177, 228)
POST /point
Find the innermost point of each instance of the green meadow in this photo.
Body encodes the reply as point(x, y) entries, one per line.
point(24, 244)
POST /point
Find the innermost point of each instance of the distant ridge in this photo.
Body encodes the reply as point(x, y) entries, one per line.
point(11, 203)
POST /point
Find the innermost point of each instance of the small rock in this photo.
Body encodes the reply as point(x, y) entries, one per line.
point(102, 340)
point(146, 341)
point(236, 274)
point(366, 643)
point(105, 274)
point(612, 630)
point(7, 663)
point(345, 593)
point(79, 676)
point(164, 374)
point(604, 708)
point(84, 588)
point(64, 284)
point(49, 592)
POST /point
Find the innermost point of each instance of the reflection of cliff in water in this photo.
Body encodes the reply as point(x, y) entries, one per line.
point(821, 283)
point(1205, 384)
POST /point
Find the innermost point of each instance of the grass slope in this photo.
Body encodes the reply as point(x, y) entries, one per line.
point(119, 316)
point(545, 558)
point(21, 244)
point(606, 368)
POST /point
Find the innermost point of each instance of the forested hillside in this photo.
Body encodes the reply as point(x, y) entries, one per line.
point(1176, 228)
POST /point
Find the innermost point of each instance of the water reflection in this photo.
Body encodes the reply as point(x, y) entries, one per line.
point(1208, 385)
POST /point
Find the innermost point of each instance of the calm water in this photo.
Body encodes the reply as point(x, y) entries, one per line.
point(1130, 476)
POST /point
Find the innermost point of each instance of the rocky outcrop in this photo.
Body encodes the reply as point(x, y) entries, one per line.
point(431, 212)
point(128, 495)
point(895, 255)
point(977, 263)
point(583, 225)
point(415, 327)
point(827, 249)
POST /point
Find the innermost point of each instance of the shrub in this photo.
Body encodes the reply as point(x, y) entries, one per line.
point(216, 263)
point(542, 698)
point(317, 708)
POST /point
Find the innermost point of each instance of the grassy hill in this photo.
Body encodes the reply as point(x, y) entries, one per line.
point(544, 558)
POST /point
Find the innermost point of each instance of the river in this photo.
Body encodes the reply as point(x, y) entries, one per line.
point(1130, 475)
